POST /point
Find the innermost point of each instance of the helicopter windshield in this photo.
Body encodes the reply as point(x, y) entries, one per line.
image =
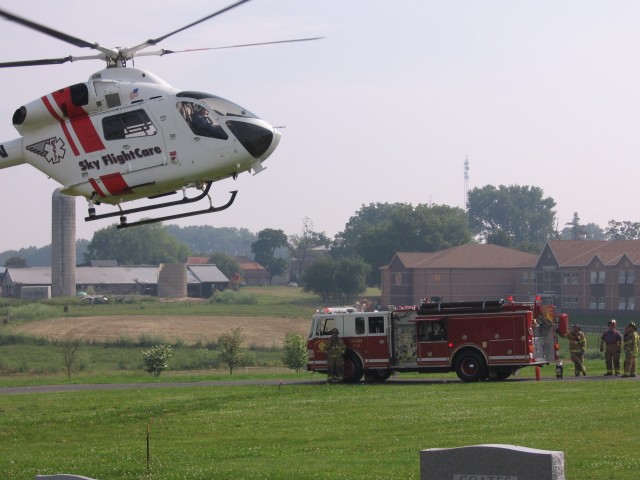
point(200, 121)
point(222, 107)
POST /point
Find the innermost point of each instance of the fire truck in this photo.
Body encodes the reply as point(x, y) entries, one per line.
point(480, 340)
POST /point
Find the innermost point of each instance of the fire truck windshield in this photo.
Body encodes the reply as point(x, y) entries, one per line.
point(324, 326)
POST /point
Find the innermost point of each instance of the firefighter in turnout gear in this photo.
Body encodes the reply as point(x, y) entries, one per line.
point(577, 346)
point(611, 345)
point(335, 357)
point(631, 340)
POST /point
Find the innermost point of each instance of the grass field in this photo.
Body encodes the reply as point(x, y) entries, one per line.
point(314, 431)
point(304, 431)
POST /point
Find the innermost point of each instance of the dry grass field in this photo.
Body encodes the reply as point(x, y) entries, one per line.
point(258, 331)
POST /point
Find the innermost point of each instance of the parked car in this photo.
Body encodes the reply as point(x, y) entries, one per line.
point(94, 299)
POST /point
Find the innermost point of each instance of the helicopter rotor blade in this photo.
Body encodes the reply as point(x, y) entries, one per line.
point(130, 52)
point(49, 61)
point(167, 52)
point(78, 42)
point(33, 63)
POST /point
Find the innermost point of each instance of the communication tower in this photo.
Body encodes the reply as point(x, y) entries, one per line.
point(466, 180)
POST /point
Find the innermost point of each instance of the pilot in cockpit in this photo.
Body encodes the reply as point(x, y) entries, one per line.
point(201, 124)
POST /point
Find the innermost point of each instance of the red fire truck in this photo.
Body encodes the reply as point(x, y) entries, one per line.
point(478, 340)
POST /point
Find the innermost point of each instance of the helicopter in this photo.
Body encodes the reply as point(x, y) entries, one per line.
point(126, 134)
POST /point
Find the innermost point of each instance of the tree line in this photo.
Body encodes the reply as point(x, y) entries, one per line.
point(339, 268)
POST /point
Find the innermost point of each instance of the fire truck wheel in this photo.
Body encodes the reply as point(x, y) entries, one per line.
point(377, 375)
point(470, 366)
point(353, 369)
point(500, 373)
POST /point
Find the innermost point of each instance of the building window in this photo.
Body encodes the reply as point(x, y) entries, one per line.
point(626, 277)
point(528, 278)
point(626, 303)
point(570, 278)
point(570, 302)
point(548, 279)
point(597, 303)
point(597, 278)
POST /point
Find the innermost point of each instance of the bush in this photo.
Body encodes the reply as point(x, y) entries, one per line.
point(229, 297)
point(294, 355)
point(156, 358)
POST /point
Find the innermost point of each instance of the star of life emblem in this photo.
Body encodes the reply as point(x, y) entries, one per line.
point(52, 149)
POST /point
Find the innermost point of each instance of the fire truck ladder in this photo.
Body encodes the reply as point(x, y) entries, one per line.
point(460, 307)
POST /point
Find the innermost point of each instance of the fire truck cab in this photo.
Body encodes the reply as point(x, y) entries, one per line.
point(478, 340)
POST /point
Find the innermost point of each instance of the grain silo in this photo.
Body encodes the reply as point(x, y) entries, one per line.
point(172, 280)
point(63, 245)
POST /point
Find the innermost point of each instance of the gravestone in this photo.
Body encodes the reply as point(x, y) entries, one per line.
point(491, 462)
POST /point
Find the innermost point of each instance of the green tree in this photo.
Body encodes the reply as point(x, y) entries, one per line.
point(18, 262)
point(377, 231)
point(229, 344)
point(225, 263)
point(70, 348)
point(294, 354)
point(156, 359)
point(574, 230)
point(302, 245)
point(623, 230)
point(515, 216)
point(208, 240)
point(141, 245)
point(341, 280)
point(264, 249)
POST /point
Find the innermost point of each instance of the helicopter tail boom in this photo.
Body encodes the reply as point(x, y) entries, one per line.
point(11, 153)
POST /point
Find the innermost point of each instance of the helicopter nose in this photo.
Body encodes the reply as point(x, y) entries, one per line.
point(257, 140)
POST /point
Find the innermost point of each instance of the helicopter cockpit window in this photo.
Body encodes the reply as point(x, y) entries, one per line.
point(221, 107)
point(200, 120)
point(128, 125)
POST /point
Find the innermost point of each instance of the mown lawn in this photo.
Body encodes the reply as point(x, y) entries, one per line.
point(314, 431)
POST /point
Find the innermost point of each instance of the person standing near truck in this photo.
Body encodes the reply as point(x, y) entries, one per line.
point(577, 347)
point(611, 345)
point(335, 357)
point(630, 349)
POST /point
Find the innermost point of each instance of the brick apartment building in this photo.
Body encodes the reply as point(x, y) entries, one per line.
point(587, 276)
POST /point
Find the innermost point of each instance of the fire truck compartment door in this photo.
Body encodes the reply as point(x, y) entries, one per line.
point(377, 344)
point(432, 342)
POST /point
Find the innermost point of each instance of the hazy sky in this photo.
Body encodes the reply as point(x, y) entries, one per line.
point(385, 109)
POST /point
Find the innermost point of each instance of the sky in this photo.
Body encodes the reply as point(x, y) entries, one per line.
point(385, 108)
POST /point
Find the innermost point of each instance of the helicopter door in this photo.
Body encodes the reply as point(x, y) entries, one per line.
point(132, 141)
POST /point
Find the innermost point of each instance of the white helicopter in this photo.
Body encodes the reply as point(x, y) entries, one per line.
point(125, 134)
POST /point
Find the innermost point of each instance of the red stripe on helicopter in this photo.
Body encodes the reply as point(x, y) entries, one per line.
point(80, 121)
point(116, 184)
point(96, 187)
point(65, 130)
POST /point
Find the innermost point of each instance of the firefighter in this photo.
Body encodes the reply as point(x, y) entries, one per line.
point(631, 340)
point(335, 357)
point(611, 345)
point(577, 346)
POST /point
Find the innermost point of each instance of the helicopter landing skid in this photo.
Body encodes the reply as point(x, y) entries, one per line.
point(184, 201)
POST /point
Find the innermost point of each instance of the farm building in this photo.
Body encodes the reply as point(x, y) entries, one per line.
point(200, 280)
